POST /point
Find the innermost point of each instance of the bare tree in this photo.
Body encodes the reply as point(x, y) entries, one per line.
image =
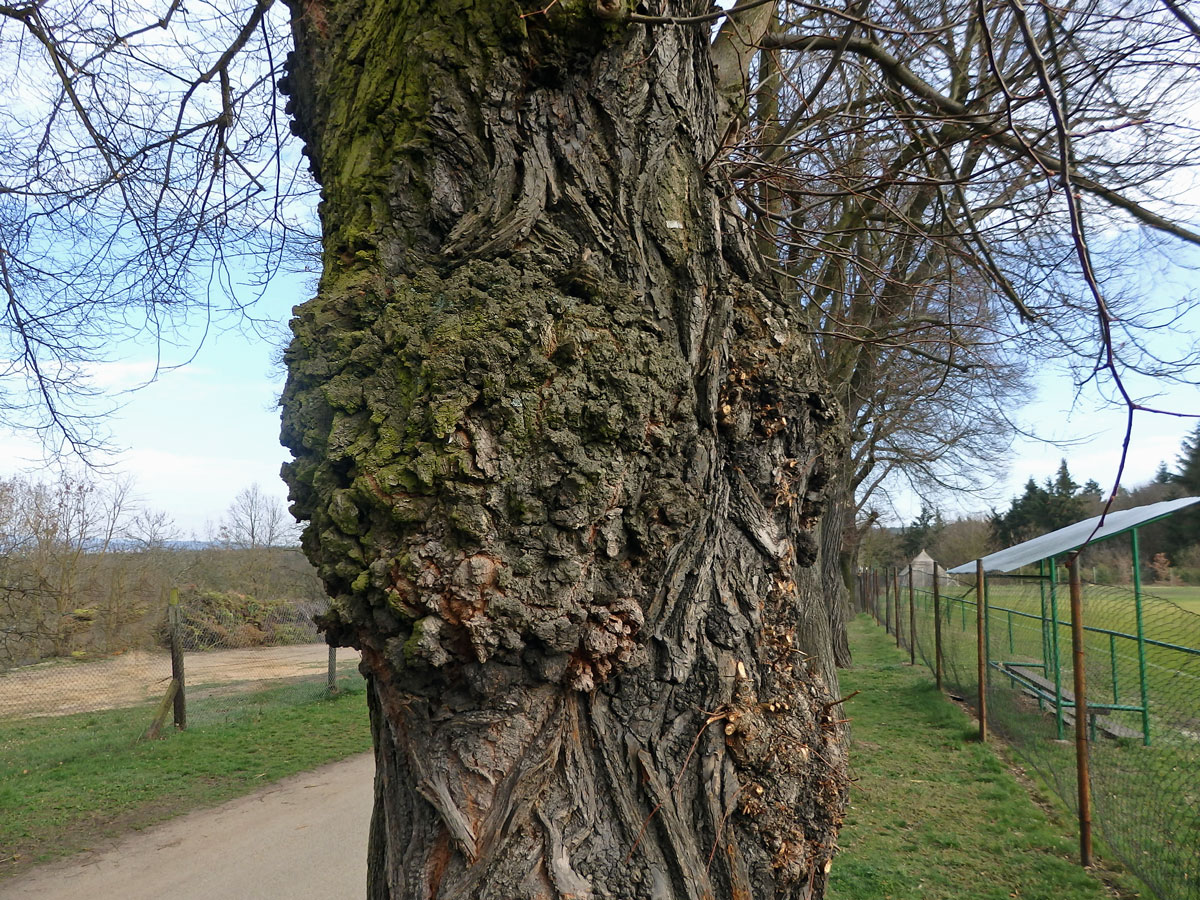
point(256, 520)
point(68, 579)
point(141, 187)
point(893, 172)
point(560, 436)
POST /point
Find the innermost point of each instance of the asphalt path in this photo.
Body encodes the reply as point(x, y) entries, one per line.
point(302, 838)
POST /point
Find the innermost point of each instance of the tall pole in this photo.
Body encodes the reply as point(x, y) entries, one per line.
point(881, 590)
point(1141, 638)
point(1081, 735)
point(881, 601)
point(912, 621)
point(937, 628)
point(1045, 623)
point(175, 624)
point(1058, 711)
point(887, 604)
point(981, 670)
point(896, 600)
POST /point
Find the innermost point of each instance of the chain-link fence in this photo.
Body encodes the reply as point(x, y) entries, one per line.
point(237, 654)
point(1141, 667)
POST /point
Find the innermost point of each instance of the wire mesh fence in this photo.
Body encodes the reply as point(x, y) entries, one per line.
point(238, 655)
point(1141, 669)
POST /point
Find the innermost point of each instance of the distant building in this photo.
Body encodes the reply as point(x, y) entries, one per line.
point(924, 569)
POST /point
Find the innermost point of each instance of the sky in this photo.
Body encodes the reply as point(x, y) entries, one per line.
point(1091, 434)
point(199, 434)
point(1084, 429)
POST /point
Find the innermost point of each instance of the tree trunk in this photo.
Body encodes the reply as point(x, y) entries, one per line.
point(838, 564)
point(561, 462)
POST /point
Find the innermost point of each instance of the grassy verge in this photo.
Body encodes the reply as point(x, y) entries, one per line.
point(934, 814)
point(68, 782)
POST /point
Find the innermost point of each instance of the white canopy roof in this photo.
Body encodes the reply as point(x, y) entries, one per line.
point(1056, 543)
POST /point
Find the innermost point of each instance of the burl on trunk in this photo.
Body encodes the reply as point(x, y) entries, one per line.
point(561, 461)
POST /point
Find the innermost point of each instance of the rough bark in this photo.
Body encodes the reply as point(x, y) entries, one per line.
point(561, 462)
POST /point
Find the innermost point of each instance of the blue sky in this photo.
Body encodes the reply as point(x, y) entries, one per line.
point(200, 433)
point(1100, 431)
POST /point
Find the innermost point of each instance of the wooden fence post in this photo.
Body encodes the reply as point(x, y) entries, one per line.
point(175, 627)
point(881, 599)
point(980, 602)
point(896, 601)
point(331, 676)
point(160, 714)
point(937, 628)
point(912, 620)
point(887, 602)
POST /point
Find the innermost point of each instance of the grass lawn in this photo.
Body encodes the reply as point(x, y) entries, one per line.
point(934, 814)
point(1186, 595)
point(70, 781)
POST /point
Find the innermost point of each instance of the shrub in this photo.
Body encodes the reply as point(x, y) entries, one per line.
point(230, 620)
point(1189, 574)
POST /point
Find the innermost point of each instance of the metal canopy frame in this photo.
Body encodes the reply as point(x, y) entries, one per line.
point(1045, 551)
point(1047, 687)
point(1055, 543)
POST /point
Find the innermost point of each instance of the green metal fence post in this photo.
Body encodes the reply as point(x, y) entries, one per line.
point(1141, 638)
point(1112, 661)
point(981, 643)
point(1045, 629)
point(987, 632)
point(1082, 773)
point(1058, 698)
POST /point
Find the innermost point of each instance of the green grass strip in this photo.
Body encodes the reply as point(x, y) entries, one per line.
point(934, 814)
point(72, 782)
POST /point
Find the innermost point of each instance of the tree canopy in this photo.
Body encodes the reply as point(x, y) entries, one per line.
point(1054, 504)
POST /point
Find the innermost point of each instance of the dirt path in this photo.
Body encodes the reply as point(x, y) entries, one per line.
point(61, 687)
point(303, 838)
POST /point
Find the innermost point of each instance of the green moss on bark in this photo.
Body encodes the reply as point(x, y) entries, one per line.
point(484, 414)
